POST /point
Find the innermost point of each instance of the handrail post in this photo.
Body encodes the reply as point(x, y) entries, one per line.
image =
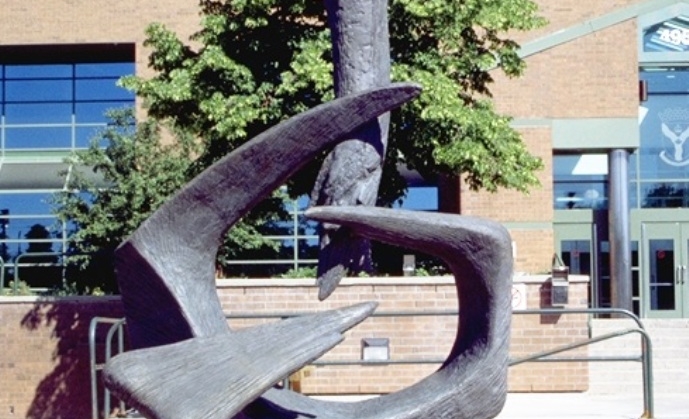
point(116, 327)
point(2, 275)
point(647, 375)
point(92, 365)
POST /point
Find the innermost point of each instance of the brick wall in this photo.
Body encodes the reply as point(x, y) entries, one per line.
point(72, 22)
point(44, 357)
point(594, 76)
point(44, 362)
point(528, 217)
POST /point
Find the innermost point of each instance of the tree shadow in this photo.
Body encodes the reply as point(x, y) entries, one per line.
point(65, 393)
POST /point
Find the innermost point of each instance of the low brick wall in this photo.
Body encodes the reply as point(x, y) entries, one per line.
point(44, 360)
point(418, 337)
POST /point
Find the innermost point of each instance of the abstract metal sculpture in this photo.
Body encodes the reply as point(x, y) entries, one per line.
point(189, 364)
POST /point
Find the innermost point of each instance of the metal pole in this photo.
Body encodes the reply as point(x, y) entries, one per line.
point(620, 238)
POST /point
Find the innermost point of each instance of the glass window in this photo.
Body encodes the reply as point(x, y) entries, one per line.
point(421, 198)
point(659, 170)
point(665, 195)
point(580, 181)
point(95, 112)
point(21, 211)
point(99, 89)
point(671, 35)
point(98, 70)
point(35, 71)
point(38, 91)
point(38, 138)
point(662, 271)
point(43, 113)
point(49, 107)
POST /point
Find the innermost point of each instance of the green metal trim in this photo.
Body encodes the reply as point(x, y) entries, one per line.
point(595, 133)
point(587, 133)
point(658, 215)
point(594, 25)
point(573, 216)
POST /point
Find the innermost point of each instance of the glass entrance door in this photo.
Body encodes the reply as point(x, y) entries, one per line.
point(665, 261)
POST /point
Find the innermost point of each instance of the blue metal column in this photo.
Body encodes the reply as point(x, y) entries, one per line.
point(620, 238)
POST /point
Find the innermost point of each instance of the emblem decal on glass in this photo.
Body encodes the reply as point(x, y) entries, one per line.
point(675, 128)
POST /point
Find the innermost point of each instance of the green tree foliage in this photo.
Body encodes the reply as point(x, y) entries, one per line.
point(139, 166)
point(259, 61)
point(254, 63)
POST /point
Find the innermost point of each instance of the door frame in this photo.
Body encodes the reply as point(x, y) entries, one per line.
point(676, 221)
point(582, 224)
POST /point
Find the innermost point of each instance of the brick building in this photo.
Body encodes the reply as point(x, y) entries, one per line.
point(602, 102)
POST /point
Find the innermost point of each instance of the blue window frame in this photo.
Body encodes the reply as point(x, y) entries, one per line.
point(49, 106)
point(44, 105)
point(659, 169)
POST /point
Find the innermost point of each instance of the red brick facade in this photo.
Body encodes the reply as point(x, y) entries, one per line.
point(44, 363)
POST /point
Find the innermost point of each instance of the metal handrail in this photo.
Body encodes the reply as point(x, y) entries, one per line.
point(25, 255)
point(646, 357)
point(116, 326)
point(545, 356)
point(2, 274)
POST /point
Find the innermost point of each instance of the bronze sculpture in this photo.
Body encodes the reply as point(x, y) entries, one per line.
point(189, 364)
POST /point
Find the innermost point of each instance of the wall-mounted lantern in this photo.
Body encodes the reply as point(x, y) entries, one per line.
point(409, 265)
point(375, 349)
point(559, 289)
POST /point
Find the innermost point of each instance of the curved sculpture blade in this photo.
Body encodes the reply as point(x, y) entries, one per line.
point(219, 375)
point(472, 383)
point(166, 269)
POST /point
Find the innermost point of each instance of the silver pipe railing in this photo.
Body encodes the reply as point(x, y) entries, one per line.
point(116, 326)
point(17, 265)
point(2, 275)
point(544, 356)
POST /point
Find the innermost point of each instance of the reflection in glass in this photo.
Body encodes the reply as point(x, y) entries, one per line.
point(25, 210)
point(38, 138)
point(38, 113)
point(35, 71)
point(101, 89)
point(38, 91)
point(661, 254)
point(99, 70)
point(96, 112)
point(665, 195)
point(580, 181)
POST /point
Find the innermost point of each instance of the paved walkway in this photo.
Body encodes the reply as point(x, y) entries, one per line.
point(589, 406)
point(579, 406)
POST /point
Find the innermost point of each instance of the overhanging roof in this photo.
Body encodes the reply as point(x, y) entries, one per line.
point(29, 176)
point(594, 25)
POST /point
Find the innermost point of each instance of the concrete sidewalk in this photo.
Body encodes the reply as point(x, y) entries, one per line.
point(585, 405)
point(578, 406)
